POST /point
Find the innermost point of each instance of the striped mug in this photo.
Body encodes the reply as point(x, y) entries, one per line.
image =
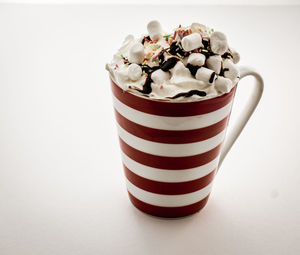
point(171, 151)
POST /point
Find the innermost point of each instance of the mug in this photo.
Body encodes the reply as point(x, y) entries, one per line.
point(171, 151)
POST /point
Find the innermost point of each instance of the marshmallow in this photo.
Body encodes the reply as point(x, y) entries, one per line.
point(134, 72)
point(205, 74)
point(196, 59)
point(198, 26)
point(179, 70)
point(154, 30)
point(136, 53)
point(159, 76)
point(218, 43)
point(223, 85)
point(214, 63)
point(235, 56)
point(127, 43)
point(233, 72)
point(191, 42)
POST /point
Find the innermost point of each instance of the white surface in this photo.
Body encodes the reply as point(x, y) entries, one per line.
point(62, 189)
point(172, 2)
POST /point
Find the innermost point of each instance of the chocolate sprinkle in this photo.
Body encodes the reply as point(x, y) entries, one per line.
point(189, 94)
point(193, 69)
point(170, 63)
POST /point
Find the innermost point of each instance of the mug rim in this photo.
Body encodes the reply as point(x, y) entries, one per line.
point(172, 102)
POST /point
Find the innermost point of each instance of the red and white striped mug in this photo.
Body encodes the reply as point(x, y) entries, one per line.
point(172, 150)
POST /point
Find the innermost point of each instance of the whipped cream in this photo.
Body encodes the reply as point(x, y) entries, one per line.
point(191, 63)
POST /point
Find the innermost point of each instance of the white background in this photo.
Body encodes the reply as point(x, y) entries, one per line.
point(62, 188)
point(169, 2)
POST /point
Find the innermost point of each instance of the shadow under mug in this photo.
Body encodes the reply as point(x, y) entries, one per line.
point(171, 151)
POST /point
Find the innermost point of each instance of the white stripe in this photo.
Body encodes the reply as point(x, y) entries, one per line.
point(163, 175)
point(168, 200)
point(171, 123)
point(170, 150)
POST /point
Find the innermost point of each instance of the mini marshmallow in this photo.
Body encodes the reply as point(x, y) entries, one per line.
point(179, 70)
point(127, 43)
point(205, 74)
point(196, 59)
point(159, 76)
point(233, 71)
point(235, 56)
point(198, 26)
point(154, 30)
point(223, 85)
point(134, 72)
point(214, 63)
point(218, 43)
point(191, 42)
point(136, 53)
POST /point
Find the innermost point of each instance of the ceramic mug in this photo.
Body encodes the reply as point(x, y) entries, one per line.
point(171, 151)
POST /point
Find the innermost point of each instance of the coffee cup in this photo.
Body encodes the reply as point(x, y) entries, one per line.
point(171, 151)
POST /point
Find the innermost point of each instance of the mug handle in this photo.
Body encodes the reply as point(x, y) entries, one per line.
point(247, 112)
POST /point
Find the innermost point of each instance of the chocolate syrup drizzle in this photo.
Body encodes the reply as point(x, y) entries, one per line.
point(147, 89)
point(223, 70)
point(205, 42)
point(170, 63)
point(190, 93)
point(227, 55)
point(177, 51)
point(211, 78)
point(144, 39)
point(165, 66)
point(193, 69)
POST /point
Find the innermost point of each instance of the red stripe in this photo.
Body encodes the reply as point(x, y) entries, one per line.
point(173, 109)
point(173, 163)
point(168, 188)
point(171, 136)
point(168, 212)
